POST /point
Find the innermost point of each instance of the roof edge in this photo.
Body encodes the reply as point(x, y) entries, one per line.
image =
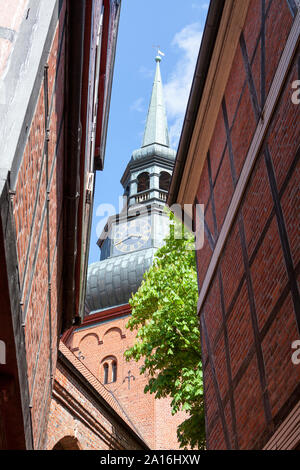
point(210, 33)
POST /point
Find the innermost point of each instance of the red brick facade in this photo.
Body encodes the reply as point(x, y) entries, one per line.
point(36, 207)
point(248, 268)
point(102, 339)
point(83, 414)
point(44, 209)
point(41, 176)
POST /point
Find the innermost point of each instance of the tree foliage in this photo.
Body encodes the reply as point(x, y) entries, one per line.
point(168, 340)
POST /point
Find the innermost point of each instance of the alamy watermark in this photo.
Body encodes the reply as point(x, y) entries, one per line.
point(2, 353)
point(296, 93)
point(133, 221)
point(296, 354)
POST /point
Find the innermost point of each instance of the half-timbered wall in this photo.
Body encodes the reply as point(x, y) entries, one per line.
point(248, 268)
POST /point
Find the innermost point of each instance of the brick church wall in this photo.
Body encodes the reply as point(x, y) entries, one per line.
point(248, 318)
point(79, 418)
point(97, 343)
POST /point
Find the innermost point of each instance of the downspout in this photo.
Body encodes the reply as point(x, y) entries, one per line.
point(83, 272)
point(76, 23)
point(94, 153)
point(47, 130)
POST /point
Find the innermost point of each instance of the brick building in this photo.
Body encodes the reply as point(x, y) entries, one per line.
point(100, 343)
point(56, 68)
point(239, 156)
point(84, 415)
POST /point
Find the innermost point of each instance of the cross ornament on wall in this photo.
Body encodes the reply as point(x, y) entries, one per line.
point(129, 377)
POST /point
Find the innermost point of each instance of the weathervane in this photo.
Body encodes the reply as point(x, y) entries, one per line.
point(159, 52)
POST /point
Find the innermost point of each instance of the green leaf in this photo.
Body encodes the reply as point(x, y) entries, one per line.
point(164, 316)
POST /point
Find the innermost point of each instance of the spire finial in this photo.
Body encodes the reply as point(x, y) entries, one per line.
point(156, 130)
point(159, 55)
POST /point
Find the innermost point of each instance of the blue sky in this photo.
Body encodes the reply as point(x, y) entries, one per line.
point(177, 28)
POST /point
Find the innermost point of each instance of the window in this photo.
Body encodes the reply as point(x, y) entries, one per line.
point(143, 182)
point(164, 181)
point(105, 373)
point(108, 371)
point(114, 371)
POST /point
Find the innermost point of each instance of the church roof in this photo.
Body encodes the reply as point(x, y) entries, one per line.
point(154, 150)
point(112, 281)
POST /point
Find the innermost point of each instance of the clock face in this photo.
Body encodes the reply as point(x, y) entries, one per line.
point(131, 236)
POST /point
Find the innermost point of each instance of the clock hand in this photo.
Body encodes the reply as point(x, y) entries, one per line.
point(121, 241)
point(136, 235)
point(127, 238)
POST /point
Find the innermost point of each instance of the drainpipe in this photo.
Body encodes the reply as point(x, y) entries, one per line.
point(74, 69)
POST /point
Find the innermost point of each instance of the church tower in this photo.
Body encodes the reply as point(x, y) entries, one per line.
point(130, 239)
point(128, 244)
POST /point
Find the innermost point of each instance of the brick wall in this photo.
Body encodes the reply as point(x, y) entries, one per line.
point(79, 419)
point(249, 316)
point(37, 174)
point(45, 91)
point(103, 342)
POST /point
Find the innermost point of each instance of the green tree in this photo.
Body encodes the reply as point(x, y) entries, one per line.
point(164, 313)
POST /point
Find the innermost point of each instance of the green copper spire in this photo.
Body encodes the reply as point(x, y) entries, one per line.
point(156, 130)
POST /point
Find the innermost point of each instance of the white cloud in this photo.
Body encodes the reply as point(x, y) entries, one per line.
point(138, 105)
point(145, 72)
point(201, 6)
point(177, 88)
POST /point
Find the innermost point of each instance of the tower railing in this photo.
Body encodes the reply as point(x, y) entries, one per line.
point(163, 196)
point(144, 196)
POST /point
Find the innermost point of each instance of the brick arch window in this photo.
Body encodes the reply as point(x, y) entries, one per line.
point(164, 181)
point(114, 371)
point(67, 443)
point(143, 182)
point(109, 370)
point(105, 372)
